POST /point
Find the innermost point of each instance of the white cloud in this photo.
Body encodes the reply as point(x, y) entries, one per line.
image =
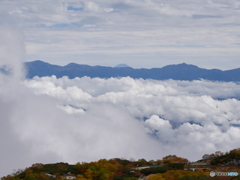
point(84, 119)
point(11, 50)
point(179, 115)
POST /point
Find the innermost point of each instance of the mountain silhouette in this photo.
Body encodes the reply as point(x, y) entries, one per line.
point(176, 72)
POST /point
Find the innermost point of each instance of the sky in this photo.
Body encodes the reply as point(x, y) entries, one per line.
point(142, 33)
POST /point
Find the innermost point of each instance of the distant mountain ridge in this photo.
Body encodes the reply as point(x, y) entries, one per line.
point(176, 72)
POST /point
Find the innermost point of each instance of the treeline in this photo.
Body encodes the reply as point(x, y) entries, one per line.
point(113, 169)
point(223, 158)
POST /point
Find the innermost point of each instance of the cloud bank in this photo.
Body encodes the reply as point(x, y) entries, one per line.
point(83, 119)
point(197, 116)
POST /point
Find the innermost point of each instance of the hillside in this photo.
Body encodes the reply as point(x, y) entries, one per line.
point(168, 168)
point(231, 158)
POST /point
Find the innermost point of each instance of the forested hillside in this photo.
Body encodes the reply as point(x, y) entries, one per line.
point(168, 168)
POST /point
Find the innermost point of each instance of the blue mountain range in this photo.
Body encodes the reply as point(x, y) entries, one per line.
point(176, 72)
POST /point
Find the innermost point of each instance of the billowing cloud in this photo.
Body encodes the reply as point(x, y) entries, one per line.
point(178, 117)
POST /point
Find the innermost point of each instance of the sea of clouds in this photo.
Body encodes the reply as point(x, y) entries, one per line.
point(50, 120)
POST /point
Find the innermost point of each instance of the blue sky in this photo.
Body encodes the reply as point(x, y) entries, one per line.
point(143, 33)
point(72, 8)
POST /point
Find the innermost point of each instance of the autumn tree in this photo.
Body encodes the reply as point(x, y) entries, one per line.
point(178, 174)
point(170, 159)
point(88, 174)
point(157, 176)
point(37, 166)
point(81, 177)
